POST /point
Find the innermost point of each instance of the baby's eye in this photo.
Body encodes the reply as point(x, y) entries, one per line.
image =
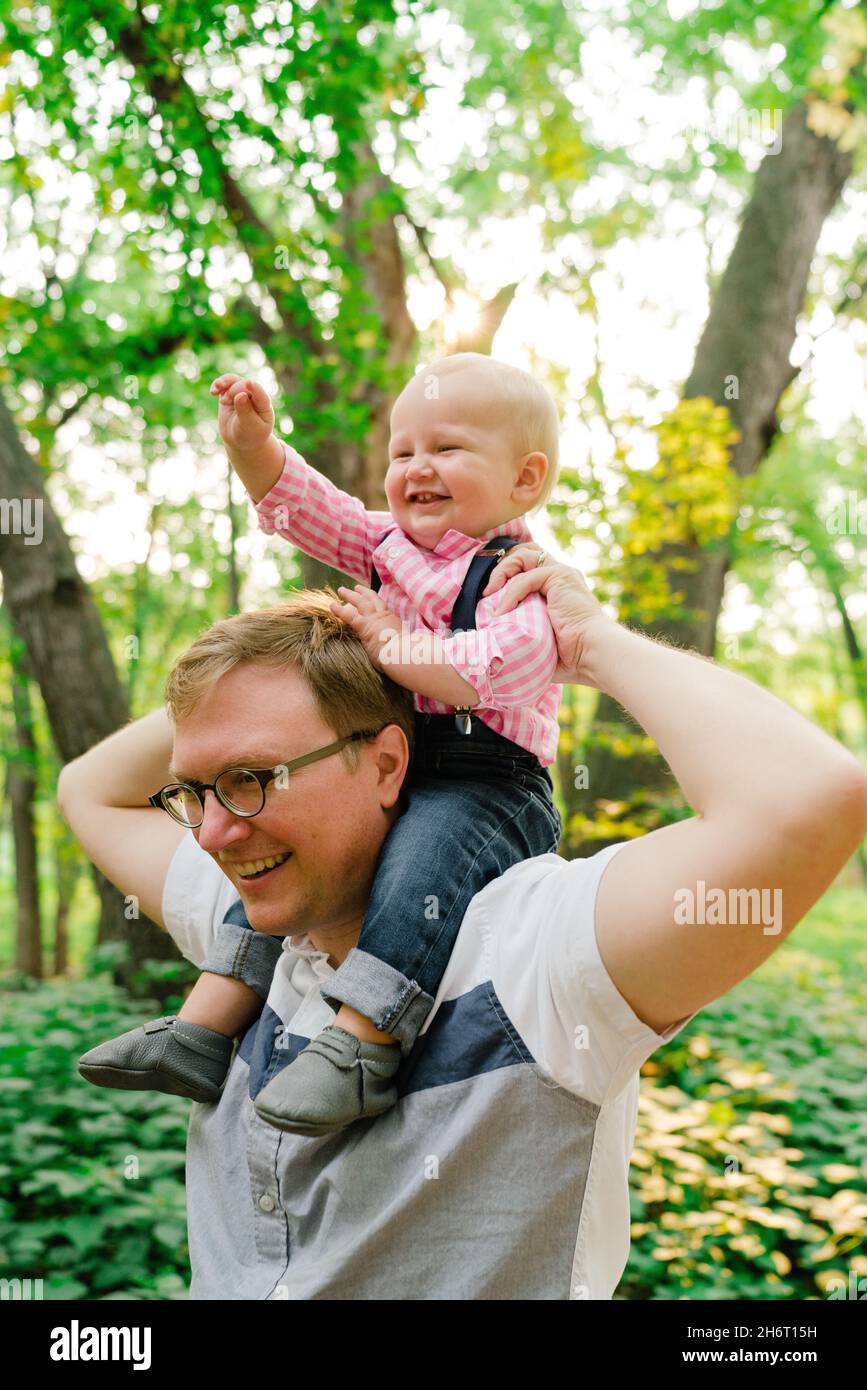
point(447, 448)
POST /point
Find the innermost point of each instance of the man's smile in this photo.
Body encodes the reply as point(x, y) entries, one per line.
point(248, 869)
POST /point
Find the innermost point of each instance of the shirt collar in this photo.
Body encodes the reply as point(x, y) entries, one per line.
point(454, 543)
point(301, 945)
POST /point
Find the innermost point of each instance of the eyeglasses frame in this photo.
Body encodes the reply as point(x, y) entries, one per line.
point(264, 776)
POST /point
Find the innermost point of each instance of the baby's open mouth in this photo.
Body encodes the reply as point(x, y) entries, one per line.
point(423, 498)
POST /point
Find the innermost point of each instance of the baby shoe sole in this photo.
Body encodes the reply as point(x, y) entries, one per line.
point(310, 1130)
point(125, 1080)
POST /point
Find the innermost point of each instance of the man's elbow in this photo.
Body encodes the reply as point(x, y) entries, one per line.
point(855, 798)
point(65, 793)
point(834, 823)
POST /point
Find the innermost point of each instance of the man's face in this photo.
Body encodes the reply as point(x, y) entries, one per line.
point(325, 828)
point(458, 447)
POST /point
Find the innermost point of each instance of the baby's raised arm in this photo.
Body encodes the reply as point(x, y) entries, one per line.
point(292, 499)
point(246, 425)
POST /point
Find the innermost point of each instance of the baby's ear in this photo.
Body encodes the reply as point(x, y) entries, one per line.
point(532, 472)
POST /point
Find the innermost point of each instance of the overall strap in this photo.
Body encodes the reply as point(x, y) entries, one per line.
point(375, 581)
point(463, 615)
point(464, 611)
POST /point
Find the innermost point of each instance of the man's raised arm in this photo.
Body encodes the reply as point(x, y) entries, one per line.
point(684, 913)
point(103, 796)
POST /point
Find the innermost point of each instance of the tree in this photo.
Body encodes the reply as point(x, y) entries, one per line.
point(21, 791)
point(55, 619)
point(742, 366)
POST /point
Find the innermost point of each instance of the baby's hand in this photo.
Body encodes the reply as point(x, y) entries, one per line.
point(246, 419)
point(370, 617)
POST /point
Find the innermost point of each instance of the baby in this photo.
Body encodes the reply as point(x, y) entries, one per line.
point(474, 446)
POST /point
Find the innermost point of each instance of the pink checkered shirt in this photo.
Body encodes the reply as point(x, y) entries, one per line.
point(513, 657)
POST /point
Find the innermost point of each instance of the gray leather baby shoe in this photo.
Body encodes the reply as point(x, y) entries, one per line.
point(336, 1079)
point(167, 1054)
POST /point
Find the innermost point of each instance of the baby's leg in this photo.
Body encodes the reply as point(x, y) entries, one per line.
point(189, 1054)
point(454, 838)
point(221, 1003)
point(360, 1026)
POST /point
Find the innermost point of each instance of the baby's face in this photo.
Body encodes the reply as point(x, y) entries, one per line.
point(456, 447)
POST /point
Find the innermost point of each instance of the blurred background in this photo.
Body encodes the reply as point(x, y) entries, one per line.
point(659, 209)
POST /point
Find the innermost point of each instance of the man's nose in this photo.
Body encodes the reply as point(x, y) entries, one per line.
point(220, 826)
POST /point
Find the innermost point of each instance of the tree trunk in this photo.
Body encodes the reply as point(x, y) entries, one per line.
point(65, 877)
point(55, 617)
point(742, 361)
point(21, 790)
point(854, 651)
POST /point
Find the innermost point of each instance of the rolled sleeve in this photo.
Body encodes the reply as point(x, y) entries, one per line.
point(553, 983)
point(472, 655)
point(510, 659)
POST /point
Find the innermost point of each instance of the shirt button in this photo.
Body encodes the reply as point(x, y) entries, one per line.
point(393, 552)
point(266, 1202)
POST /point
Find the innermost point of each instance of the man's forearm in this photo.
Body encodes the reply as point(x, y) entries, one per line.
point(124, 768)
point(731, 745)
point(259, 471)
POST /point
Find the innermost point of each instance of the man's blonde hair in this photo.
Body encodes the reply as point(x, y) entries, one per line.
point(302, 634)
point(528, 408)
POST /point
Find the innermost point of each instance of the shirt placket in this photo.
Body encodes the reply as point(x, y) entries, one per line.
point(270, 1225)
point(270, 1221)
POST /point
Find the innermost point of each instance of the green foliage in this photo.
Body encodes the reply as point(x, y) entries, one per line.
point(748, 1177)
point(806, 508)
point(91, 1180)
point(687, 499)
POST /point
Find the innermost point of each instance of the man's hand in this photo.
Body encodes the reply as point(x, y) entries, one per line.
point(370, 618)
point(573, 610)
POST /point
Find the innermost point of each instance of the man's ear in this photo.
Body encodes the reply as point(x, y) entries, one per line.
point(530, 476)
point(392, 763)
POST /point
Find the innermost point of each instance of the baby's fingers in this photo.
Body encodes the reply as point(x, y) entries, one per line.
point(364, 599)
point(345, 611)
point(223, 383)
point(258, 395)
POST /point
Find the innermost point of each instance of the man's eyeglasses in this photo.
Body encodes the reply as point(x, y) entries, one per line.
point(240, 789)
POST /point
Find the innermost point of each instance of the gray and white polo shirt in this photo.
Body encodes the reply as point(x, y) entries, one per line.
point(501, 1173)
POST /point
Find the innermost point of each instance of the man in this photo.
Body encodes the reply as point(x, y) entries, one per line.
point(502, 1171)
